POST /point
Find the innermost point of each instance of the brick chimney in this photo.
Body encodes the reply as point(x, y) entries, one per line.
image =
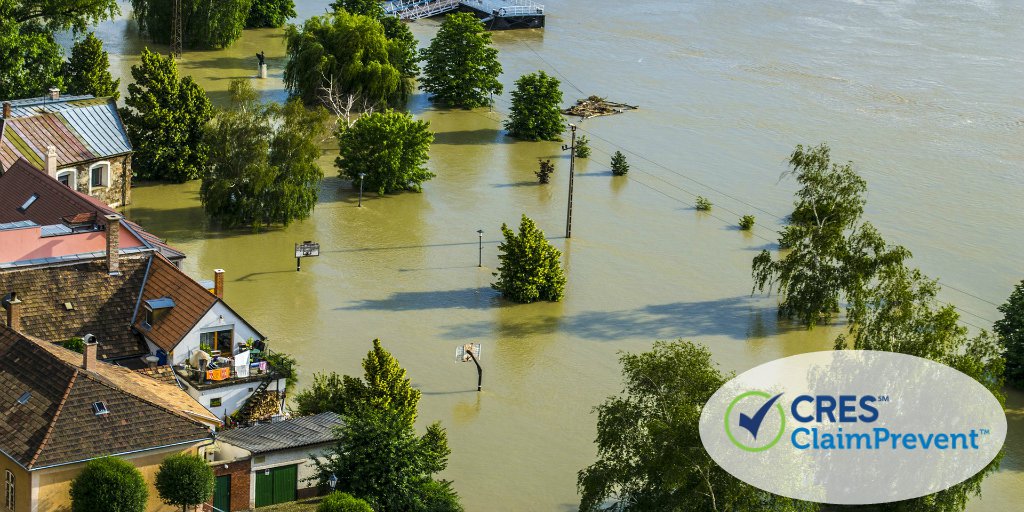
point(113, 248)
point(7, 110)
point(218, 283)
point(89, 346)
point(54, 94)
point(14, 312)
point(51, 161)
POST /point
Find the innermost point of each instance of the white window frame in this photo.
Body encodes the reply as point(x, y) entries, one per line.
point(73, 180)
point(106, 177)
point(9, 490)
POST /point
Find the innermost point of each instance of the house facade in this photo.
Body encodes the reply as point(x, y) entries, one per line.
point(80, 141)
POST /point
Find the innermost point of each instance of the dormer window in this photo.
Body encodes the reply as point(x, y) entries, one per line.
point(100, 408)
point(28, 202)
point(157, 309)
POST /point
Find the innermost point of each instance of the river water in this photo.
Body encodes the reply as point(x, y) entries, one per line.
point(924, 98)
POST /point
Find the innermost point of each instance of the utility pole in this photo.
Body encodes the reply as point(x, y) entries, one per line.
point(572, 171)
point(176, 30)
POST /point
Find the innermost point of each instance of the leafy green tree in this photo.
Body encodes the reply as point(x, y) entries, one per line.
point(703, 204)
point(438, 496)
point(461, 67)
point(649, 452)
point(747, 222)
point(390, 148)
point(546, 170)
point(285, 365)
point(530, 268)
point(342, 502)
point(619, 165)
point(326, 393)
point(263, 161)
point(348, 54)
point(833, 253)
point(536, 109)
point(185, 479)
point(269, 13)
point(165, 117)
point(77, 344)
point(31, 60)
point(583, 147)
point(899, 312)
point(371, 8)
point(205, 24)
point(1010, 330)
point(58, 15)
point(109, 484)
point(88, 70)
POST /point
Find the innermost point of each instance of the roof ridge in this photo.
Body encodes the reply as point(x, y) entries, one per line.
point(53, 421)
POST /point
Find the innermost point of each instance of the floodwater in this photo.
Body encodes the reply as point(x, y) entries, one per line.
point(924, 98)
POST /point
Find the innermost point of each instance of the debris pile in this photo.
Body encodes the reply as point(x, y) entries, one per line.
point(595, 106)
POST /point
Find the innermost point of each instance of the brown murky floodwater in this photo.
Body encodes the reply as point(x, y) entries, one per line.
point(924, 98)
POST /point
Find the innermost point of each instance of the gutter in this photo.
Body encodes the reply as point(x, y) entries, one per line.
point(121, 454)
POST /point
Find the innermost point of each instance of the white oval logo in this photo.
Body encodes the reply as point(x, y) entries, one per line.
point(853, 427)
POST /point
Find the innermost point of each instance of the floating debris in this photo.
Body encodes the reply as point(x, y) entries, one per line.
point(595, 106)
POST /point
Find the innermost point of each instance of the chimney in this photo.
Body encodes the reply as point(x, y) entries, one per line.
point(113, 248)
point(51, 161)
point(7, 110)
point(14, 312)
point(89, 352)
point(54, 94)
point(218, 283)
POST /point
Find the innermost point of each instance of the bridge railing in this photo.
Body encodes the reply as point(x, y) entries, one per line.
point(520, 8)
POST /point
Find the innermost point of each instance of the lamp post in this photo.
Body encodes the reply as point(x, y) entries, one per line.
point(361, 176)
point(332, 481)
point(480, 236)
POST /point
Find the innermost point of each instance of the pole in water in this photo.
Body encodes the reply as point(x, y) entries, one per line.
point(572, 169)
point(298, 264)
point(479, 372)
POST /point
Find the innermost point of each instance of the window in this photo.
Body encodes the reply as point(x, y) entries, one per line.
point(100, 408)
point(9, 491)
point(215, 402)
point(218, 340)
point(28, 202)
point(99, 175)
point(68, 179)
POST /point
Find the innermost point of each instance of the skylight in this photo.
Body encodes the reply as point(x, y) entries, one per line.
point(28, 202)
point(100, 408)
point(23, 399)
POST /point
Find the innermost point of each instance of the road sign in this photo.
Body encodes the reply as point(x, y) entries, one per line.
point(462, 352)
point(307, 249)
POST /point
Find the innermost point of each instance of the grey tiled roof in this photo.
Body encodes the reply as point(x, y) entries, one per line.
point(282, 435)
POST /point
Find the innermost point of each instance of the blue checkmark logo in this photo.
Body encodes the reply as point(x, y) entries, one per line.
point(752, 400)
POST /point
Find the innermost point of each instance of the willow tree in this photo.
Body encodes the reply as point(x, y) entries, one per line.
point(350, 55)
point(462, 67)
point(833, 253)
point(205, 24)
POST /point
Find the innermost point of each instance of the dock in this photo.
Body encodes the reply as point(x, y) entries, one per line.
point(494, 14)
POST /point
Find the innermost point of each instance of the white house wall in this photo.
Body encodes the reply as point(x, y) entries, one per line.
point(217, 317)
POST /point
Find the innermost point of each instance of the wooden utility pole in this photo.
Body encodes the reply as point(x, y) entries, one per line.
point(176, 42)
point(572, 171)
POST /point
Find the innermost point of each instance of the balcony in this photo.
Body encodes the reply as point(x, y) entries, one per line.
point(222, 371)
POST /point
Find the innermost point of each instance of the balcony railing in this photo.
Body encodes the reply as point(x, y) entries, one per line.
point(222, 371)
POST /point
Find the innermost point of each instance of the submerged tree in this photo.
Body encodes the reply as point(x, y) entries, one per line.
point(462, 67)
point(583, 147)
point(204, 24)
point(536, 109)
point(88, 70)
point(371, 8)
point(263, 161)
point(833, 253)
point(165, 117)
point(1010, 330)
point(530, 268)
point(546, 170)
point(619, 165)
point(649, 452)
point(269, 13)
point(390, 149)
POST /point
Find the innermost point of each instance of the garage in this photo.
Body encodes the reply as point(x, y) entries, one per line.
point(276, 485)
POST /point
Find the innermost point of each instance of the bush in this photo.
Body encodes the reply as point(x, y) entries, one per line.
point(343, 502)
point(77, 344)
point(545, 171)
point(285, 365)
point(619, 165)
point(184, 480)
point(109, 484)
point(747, 222)
point(703, 204)
point(582, 147)
point(530, 268)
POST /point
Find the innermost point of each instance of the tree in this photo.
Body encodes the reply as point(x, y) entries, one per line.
point(899, 312)
point(438, 496)
point(389, 148)
point(747, 222)
point(619, 165)
point(530, 268)
point(371, 8)
point(546, 170)
point(205, 24)
point(184, 479)
point(109, 484)
point(165, 117)
point(269, 13)
point(583, 147)
point(461, 67)
point(1010, 330)
point(88, 70)
point(31, 60)
point(703, 204)
point(286, 365)
point(326, 393)
point(342, 502)
point(536, 108)
point(353, 53)
point(833, 253)
point(62, 15)
point(649, 452)
point(263, 161)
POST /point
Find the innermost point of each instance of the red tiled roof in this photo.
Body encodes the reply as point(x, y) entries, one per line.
point(191, 302)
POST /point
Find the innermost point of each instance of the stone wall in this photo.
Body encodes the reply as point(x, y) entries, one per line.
point(117, 192)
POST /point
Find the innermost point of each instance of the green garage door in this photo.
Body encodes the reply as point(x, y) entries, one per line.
point(276, 485)
point(222, 494)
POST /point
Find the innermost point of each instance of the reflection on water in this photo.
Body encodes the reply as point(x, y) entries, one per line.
point(922, 97)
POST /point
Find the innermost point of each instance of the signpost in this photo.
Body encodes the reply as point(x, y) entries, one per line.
point(306, 249)
point(471, 352)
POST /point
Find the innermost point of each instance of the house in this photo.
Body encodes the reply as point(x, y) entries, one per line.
point(60, 409)
point(271, 462)
point(78, 268)
point(80, 141)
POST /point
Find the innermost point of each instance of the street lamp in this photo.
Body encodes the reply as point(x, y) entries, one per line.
point(480, 235)
point(332, 481)
point(361, 176)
